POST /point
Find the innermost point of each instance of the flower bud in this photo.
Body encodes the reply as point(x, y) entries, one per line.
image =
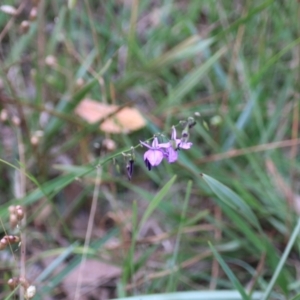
point(34, 140)
point(12, 239)
point(129, 168)
point(50, 61)
point(24, 283)
point(20, 214)
point(8, 239)
point(191, 122)
point(24, 26)
point(109, 144)
point(130, 157)
point(13, 221)
point(12, 209)
point(33, 14)
point(79, 83)
point(185, 133)
point(16, 121)
point(103, 146)
point(30, 292)
point(3, 115)
point(216, 120)
point(13, 283)
point(3, 243)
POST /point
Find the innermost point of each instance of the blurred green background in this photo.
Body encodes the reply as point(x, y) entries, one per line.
point(220, 223)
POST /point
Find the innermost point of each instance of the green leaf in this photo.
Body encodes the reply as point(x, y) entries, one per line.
point(231, 199)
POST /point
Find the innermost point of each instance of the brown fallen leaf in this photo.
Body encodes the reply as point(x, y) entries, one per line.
point(123, 121)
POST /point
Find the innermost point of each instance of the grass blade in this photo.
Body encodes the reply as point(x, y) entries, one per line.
point(195, 295)
point(172, 281)
point(156, 200)
point(191, 80)
point(229, 273)
point(282, 261)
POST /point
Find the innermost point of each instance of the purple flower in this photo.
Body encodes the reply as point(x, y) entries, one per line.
point(173, 146)
point(154, 156)
point(156, 153)
point(171, 154)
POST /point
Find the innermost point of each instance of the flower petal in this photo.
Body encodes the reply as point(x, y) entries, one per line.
point(148, 165)
point(173, 134)
point(185, 145)
point(178, 142)
point(154, 157)
point(165, 145)
point(172, 155)
point(155, 144)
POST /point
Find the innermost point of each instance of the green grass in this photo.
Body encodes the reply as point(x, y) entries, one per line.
point(208, 226)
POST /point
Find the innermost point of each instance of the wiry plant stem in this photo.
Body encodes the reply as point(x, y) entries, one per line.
point(88, 232)
point(20, 193)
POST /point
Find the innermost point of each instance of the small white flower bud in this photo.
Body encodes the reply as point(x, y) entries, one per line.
point(33, 14)
point(109, 144)
point(34, 140)
point(20, 214)
point(30, 292)
point(16, 120)
point(3, 243)
point(3, 115)
point(24, 26)
point(50, 60)
point(13, 221)
point(13, 283)
point(80, 83)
